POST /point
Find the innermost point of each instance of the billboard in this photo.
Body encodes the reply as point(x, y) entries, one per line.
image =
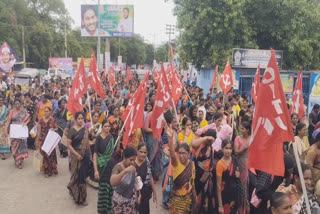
point(64, 64)
point(250, 58)
point(115, 20)
point(7, 58)
point(287, 83)
point(314, 97)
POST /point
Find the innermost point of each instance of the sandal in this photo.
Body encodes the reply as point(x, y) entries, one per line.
point(85, 203)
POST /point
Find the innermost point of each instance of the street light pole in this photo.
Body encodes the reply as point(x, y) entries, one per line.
point(98, 48)
point(170, 30)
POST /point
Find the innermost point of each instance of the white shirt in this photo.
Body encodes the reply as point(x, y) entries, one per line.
point(84, 32)
point(125, 25)
point(3, 86)
point(203, 109)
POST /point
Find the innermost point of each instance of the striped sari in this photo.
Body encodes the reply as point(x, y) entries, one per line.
point(4, 143)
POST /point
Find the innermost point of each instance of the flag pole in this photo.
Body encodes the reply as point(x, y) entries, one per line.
point(303, 185)
point(89, 109)
point(124, 124)
point(175, 110)
point(187, 93)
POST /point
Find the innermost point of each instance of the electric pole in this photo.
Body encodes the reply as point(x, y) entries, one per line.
point(98, 48)
point(65, 39)
point(23, 48)
point(170, 29)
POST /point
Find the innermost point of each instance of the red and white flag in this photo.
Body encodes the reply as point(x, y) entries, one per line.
point(128, 75)
point(255, 85)
point(163, 97)
point(297, 98)
point(155, 75)
point(177, 88)
point(79, 87)
point(214, 80)
point(104, 76)
point(271, 124)
point(169, 73)
point(226, 81)
point(134, 111)
point(112, 78)
point(93, 77)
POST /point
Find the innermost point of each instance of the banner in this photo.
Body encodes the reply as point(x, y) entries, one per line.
point(115, 20)
point(64, 64)
point(287, 83)
point(85, 60)
point(314, 97)
point(7, 58)
point(250, 58)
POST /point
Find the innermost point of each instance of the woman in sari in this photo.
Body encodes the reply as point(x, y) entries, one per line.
point(313, 160)
point(301, 140)
point(94, 131)
point(115, 121)
point(186, 135)
point(183, 171)
point(227, 173)
point(78, 145)
point(103, 164)
point(123, 181)
point(143, 169)
point(299, 204)
point(153, 145)
point(61, 118)
point(4, 143)
point(241, 145)
point(204, 164)
point(49, 162)
point(19, 148)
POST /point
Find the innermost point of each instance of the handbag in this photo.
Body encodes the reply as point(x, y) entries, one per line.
point(37, 161)
point(255, 201)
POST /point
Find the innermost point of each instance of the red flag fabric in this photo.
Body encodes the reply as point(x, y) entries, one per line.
point(271, 124)
point(169, 73)
point(128, 75)
point(93, 77)
point(214, 80)
point(255, 85)
point(135, 110)
point(79, 87)
point(226, 81)
point(177, 88)
point(104, 76)
point(297, 98)
point(112, 78)
point(163, 97)
point(155, 75)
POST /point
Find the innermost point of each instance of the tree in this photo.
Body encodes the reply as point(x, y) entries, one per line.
point(211, 28)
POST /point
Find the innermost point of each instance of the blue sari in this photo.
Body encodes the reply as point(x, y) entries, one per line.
point(4, 142)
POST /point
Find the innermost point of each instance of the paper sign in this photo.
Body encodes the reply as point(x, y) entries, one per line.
point(18, 131)
point(50, 142)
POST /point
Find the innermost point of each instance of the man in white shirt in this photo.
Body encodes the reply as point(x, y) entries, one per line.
point(3, 85)
point(125, 24)
point(90, 22)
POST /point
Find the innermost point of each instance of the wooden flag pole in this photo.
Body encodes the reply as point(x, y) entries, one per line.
point(89, 108)
point(175, 111)
point(303, 185)
point(124, 124)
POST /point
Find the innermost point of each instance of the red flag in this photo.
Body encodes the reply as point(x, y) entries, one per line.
point(128, 75)
point(112, 78)
point(134, 111)
point(163, 98)
point(93, 77)
point(214, 80)
point(297, 98)
point(271, 124)
point(79, 87)
point(155, 75)
point(226, 81)
point(104, 73)
point(255, 85)
point(169, 73)
point(177, 88)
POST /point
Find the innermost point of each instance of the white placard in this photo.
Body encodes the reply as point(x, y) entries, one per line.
point(18, 131)
point(50, 142)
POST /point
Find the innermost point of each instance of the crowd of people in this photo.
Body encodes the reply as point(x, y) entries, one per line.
point(200, 159)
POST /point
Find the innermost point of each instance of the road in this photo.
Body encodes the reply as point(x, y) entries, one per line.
point(27, 191)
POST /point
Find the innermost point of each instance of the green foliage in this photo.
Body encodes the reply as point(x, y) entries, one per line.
point(44, 21)
point(211, 28)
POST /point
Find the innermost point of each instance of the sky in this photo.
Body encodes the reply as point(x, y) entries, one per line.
point(150, 16)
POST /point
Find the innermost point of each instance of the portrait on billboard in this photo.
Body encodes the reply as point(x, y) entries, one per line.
point(7, 58)
point(90, 21)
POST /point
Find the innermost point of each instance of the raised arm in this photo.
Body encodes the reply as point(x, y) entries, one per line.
point(197, 143)
point(170, 132)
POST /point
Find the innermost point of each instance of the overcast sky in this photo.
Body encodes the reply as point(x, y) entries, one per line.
point(150, 16)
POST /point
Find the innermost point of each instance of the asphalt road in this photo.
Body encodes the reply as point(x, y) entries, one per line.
point(27, 191)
